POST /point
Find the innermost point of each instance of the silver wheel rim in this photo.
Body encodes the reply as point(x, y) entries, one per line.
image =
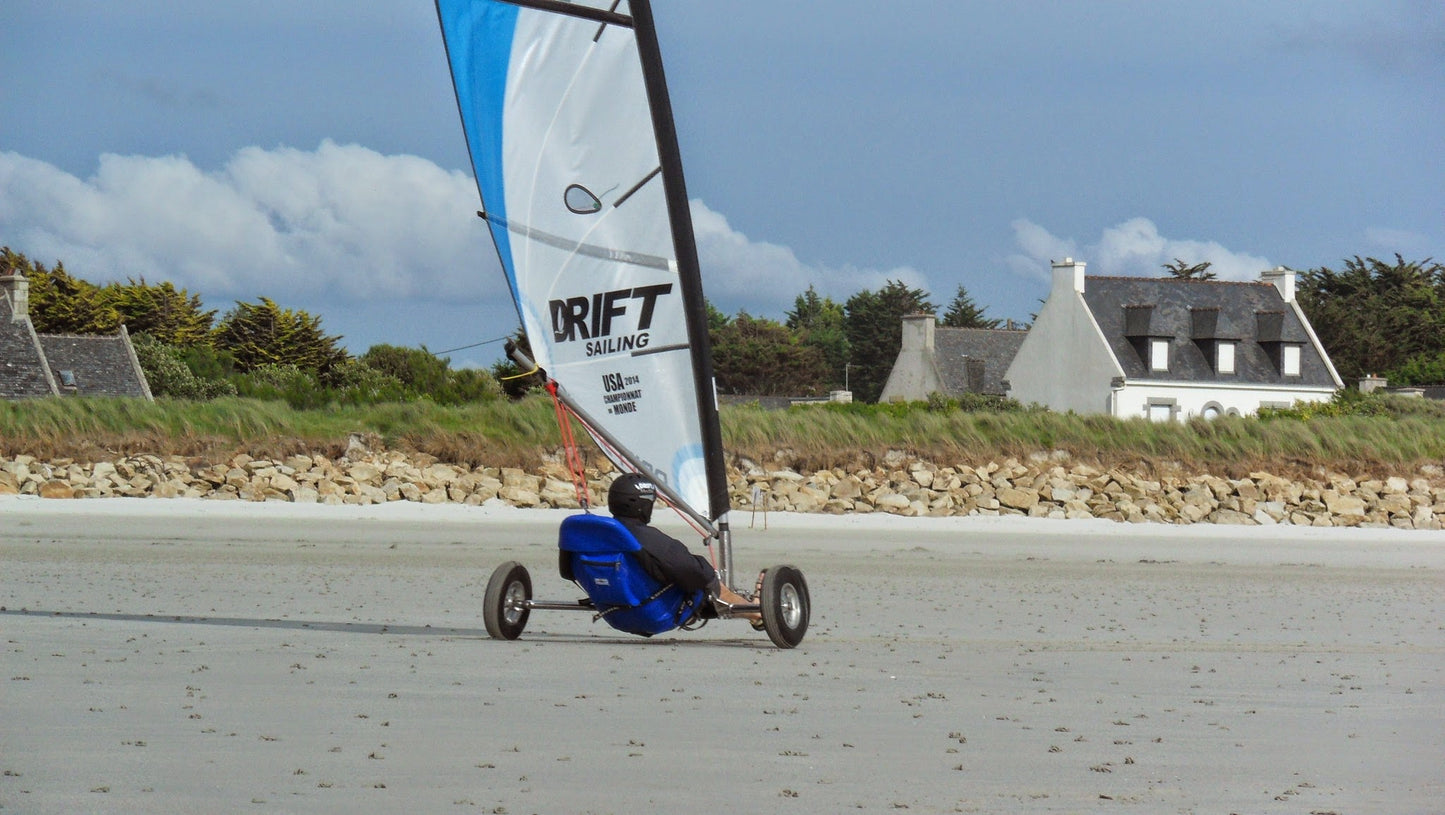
point(512, 607)
point(790, 605)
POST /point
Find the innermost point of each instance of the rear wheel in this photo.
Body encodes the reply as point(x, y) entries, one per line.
point(505, 610)
point(785, 605)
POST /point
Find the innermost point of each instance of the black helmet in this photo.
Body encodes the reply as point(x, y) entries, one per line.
point(631, 496)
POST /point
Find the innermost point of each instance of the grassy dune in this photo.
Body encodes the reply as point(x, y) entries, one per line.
point(1407, 434)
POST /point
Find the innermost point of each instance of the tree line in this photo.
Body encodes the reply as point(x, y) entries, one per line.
point(1372, 316)
point(258, 349)
point(1382, 318)
point(823, 345)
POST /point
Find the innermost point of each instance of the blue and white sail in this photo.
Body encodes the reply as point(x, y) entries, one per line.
point(572, 143)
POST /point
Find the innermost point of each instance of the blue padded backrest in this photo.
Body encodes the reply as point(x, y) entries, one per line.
point(595, 533)
point(603, 563)
point(603, 560)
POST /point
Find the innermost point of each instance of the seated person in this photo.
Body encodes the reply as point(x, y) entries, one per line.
point(630, 500)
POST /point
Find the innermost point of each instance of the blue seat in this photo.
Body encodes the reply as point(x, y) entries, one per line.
point(603, 557)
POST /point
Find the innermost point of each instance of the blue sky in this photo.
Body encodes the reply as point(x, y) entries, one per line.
point(310, 150)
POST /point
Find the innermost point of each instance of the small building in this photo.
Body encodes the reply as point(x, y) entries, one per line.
point(33, 364)
point(1170, 348)
point(949, 361)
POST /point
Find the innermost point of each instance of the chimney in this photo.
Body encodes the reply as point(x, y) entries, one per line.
point(1370, 383)
point(1283, 279)
point(19, 289)
point(918, 332)
point(1068, 276)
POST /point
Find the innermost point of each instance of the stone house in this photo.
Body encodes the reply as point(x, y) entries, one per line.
point(34, 364)
point(949, 361)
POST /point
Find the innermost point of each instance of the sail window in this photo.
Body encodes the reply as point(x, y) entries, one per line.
point(580, 200)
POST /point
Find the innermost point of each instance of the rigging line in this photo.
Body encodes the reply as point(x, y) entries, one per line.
point(473, 345)
point(617, 458)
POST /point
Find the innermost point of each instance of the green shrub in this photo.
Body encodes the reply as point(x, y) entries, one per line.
point(357, 383)
point(168, 374)
point(283, 382)
point(1347, 402)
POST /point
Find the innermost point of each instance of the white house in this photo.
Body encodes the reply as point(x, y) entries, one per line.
point(1170, 348)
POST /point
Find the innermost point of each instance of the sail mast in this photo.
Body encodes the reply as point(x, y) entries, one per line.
point(685, 245)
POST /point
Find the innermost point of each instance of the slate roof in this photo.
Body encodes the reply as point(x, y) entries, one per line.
point(973, 360)
point(100, 366)
point(77, 365)
point(22, 361)
point(1193, 314)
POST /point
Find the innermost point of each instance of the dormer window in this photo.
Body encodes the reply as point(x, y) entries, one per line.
point(1283, 342)
point(1158, 354)
point(1216, 338)
point(1224, 357)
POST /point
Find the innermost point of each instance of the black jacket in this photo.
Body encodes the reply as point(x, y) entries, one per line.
point(668, 559)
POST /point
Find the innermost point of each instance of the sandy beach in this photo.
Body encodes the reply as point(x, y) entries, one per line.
point(182, 656)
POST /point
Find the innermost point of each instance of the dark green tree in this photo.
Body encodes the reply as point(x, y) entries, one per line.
point(173, 316)
point(1423, 369)
point(875, 333)
point(964, 313)
point(1375, 317)
point(60, 303)
point(820, 323)
point(761, 357)
point(263, 333)
point(715, 318)
point(1187, 271)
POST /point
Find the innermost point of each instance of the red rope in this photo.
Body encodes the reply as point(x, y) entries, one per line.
point(569, 445)
point(565, 415)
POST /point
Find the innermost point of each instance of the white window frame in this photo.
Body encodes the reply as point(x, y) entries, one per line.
point(1158, 355)
point(1289, 360)
point(1224, 358)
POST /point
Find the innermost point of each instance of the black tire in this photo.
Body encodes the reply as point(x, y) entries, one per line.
point(786, 605)
point(507, 591)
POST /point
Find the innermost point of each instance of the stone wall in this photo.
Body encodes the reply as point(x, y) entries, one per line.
point(1044, 485)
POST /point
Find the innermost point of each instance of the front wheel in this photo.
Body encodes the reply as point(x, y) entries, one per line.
point(505, 610)
point(785, 605)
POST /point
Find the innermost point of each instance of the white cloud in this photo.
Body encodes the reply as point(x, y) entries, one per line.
point(1133, 248)
point(342, 221)
point(764, 278)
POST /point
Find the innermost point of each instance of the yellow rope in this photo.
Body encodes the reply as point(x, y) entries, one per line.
point(535, 368)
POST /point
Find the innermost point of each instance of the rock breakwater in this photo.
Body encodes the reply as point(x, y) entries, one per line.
point(1045, 485)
